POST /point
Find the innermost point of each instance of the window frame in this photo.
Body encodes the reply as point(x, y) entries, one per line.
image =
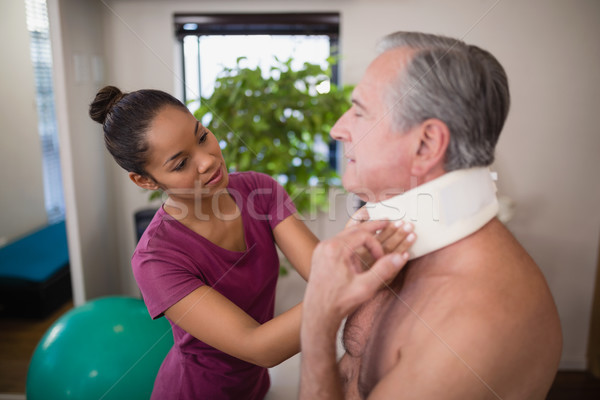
point(201, 24)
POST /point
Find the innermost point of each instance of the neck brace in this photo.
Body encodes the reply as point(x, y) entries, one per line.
point(444, 210)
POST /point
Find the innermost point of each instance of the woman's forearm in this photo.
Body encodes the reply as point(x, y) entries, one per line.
point(276, 340)
point(320, 378)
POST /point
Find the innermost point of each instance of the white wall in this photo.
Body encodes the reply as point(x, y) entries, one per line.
point(546, 156)
point(76, 34)
point(22, 188)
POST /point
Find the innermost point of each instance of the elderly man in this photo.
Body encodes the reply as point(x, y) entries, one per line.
point(470, 315)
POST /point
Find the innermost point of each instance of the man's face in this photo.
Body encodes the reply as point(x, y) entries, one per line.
point(379, 156)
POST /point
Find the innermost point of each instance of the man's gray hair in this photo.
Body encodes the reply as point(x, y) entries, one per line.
point(462, 85)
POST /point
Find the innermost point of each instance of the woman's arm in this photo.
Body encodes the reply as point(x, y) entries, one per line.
point(296, 242)
point(218, 322)
point(212, 318)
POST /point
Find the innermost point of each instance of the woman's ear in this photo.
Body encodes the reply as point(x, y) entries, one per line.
point(144, 182)
point(434, 138)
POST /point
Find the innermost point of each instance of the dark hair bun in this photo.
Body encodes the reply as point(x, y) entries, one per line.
point(105, 100)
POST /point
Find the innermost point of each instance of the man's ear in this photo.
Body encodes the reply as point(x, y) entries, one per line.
point(434, 138)
point(144, 182)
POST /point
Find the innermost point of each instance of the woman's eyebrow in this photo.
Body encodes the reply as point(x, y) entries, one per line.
point(181, 152)
point(173, 157)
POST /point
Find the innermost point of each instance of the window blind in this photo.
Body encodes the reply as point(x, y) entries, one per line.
point(41, 57)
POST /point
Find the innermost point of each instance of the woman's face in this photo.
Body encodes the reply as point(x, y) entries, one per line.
point(184, 158)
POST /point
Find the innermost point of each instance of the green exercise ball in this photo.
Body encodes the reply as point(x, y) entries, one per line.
point(108, 348)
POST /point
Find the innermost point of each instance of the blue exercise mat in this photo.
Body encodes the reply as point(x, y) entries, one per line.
point(36, 256)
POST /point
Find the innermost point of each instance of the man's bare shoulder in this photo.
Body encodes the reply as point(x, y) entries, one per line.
point(478, 312)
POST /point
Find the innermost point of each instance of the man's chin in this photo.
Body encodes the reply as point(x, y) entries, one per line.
point(347, 184)
point(363, 193)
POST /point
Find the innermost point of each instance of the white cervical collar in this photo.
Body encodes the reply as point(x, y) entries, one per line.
point(444, 210)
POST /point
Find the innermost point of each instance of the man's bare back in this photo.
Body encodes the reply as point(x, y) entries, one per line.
point(473, 320)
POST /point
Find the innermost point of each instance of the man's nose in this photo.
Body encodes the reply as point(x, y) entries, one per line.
point(339, 131)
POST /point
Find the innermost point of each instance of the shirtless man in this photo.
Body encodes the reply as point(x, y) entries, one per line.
point(472, 320)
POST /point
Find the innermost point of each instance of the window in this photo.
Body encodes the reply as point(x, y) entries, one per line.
point(41, 57)
point(211, 42)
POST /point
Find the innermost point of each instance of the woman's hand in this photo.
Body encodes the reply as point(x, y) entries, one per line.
point(339, 281)
point(392, 237)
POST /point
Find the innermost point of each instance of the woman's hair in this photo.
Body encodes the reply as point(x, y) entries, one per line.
point(462, 85)
point(125, 118)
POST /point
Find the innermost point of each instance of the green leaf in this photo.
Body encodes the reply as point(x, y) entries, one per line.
point(268, 120)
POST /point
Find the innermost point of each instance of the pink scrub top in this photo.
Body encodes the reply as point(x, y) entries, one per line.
point(171, 261)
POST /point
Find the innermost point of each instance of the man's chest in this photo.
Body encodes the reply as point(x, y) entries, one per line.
point(375, 337)
point(362, 332)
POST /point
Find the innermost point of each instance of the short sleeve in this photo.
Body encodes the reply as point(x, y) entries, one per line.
point(270, 199)
point(163, 279)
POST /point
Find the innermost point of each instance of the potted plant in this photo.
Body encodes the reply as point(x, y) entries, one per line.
point(278, 124)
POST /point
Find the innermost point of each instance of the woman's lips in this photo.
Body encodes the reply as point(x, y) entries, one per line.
point(216, 178)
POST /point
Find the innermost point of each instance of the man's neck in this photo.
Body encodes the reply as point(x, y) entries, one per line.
point(444, 210)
